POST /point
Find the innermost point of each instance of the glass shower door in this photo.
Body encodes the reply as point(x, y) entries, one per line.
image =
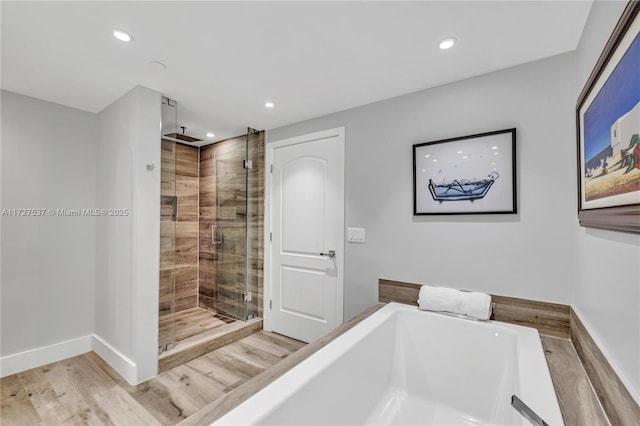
point(230, 222)
point(254, 223)
point(168, 206)
point(168, 214)
point(228, 229)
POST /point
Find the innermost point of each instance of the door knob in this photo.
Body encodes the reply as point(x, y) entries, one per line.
point(331, 254)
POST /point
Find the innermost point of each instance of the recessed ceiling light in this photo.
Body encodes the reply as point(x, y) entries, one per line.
point(447, 43)
point(122, 35)
point(269, 104)
point(210, 134)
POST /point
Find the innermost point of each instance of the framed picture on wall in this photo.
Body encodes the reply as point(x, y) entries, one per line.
point(608, 132)
point(473, 174)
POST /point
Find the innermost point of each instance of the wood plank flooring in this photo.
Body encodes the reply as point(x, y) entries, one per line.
point(85, 390)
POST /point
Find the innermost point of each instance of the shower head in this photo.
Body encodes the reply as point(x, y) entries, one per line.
point(182, 137)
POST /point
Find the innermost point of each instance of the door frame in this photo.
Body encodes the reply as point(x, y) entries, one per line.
point(338, 132)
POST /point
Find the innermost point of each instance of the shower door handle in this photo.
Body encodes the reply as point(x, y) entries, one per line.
point(174, 202)
point(216, 234)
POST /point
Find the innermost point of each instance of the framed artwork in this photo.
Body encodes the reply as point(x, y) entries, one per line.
point(608, 132)
point(473, 174)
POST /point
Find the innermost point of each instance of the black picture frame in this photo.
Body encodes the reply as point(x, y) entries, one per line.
point(473, 174)
point(606, 198)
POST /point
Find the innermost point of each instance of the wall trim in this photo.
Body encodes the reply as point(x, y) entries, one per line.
point(21, 361)
point(116, 359)
point(33, 358)
point(598, 341)
point(611, 386)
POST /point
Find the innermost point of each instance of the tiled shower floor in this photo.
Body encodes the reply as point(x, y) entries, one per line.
point(199, 331)
point(191, 322)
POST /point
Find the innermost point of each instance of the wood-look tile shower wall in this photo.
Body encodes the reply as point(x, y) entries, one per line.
point(179, 179)
point(187, 227)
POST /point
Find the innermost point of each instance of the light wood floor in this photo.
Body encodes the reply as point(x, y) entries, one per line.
point(86, 390)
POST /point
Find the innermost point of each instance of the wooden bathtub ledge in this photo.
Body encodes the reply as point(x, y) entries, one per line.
point(550, 319)
point(229, 401)
point(588, 389)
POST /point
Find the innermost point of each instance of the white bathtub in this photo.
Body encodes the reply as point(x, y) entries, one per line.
point(402, 366)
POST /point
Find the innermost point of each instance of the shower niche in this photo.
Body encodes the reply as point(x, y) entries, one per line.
point(210, 238)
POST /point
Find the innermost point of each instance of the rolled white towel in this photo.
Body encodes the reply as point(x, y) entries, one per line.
point(477, 305)
point(442, 299)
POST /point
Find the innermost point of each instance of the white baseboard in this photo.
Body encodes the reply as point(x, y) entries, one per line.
point(116, 359)
point(37, 357)
point(32, 358)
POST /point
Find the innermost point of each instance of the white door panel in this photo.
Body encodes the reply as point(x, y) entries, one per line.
point(302, 292)
point(303, 205)
point(306, 197)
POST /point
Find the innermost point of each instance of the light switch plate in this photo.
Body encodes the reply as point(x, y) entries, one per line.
point(355, 235)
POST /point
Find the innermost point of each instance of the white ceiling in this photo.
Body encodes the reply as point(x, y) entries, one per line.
point(225, 59)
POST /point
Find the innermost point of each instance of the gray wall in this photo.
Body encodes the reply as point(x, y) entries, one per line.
point(128, 249)
point(607, 286)
point(90, 280)
point(48, 263)
point(540, 253)
point(525, 255)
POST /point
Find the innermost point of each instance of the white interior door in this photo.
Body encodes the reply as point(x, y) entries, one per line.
point(306, 251)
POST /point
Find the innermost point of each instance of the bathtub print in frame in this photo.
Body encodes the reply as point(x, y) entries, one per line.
point(473, 174)
point(608, 123)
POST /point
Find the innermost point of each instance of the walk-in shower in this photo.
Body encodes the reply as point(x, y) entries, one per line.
point(211, 231)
